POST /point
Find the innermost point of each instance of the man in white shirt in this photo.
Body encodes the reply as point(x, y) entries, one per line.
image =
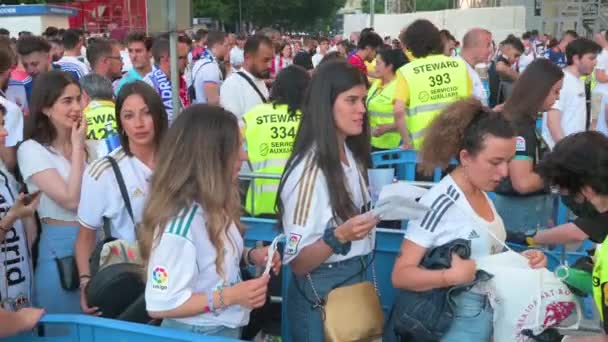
point(476, 48)
point(246, 89)
point(529, 54)
point(237, 54)
point(13, 118)
point(601, 77)
point(323, 49)
point(569, 114)
point(70, 61)
point(206, 73)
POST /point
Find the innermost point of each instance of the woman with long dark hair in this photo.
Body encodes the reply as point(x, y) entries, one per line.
point(521, 198)
point(323, 196)
point(142, 122)
point(52, 160)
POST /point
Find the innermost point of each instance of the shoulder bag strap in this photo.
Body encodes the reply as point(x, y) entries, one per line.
point(242, 74)
point(121, 185)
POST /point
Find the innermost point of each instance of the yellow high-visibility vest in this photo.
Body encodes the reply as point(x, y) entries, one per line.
point(270, 134)
point(434, 82)
point(380, 108)
point(98, 114)
point(599, 280)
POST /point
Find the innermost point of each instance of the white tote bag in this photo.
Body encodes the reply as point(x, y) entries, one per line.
point(525, 298)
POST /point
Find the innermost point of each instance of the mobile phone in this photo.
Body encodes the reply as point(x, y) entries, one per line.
point(30, 197)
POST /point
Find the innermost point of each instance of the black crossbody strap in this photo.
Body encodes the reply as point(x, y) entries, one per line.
point(123, 192)
point(243, 75)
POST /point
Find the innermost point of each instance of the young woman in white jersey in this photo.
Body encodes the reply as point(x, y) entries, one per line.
point(142, 122)
point(191, 236)
point(52, 160)
point(483, 142)
point(17, 232)
point(323, 196)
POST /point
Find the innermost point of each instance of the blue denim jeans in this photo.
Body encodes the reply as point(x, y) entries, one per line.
point(55, 242)
point(473, 319)
point(305, 322)
point(522, 214)
point(219, 330)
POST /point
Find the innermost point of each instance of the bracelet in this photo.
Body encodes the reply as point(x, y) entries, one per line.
point(248, 261)
point(221, 297)
point(83, 283)
point(84, 276)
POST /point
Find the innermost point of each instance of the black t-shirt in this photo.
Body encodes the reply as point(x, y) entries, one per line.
point(494, 82)
point(596, 228)
point(529, 146)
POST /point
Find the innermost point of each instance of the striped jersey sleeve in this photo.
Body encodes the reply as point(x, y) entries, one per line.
point(306, 207)
point(442, 222)
point(172, 268)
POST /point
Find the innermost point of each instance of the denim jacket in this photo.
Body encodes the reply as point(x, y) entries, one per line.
point(427, 316)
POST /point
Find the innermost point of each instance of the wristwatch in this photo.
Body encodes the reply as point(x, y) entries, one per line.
point(332, 241)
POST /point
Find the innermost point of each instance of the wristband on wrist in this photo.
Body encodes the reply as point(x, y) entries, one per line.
point(329, 237)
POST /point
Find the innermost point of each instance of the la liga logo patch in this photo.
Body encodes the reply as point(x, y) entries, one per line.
point(160, 278)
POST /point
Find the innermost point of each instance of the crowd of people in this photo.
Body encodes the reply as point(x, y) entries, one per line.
point(91, 145)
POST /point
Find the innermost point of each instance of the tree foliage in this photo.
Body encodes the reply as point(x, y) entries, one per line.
point(286, 14)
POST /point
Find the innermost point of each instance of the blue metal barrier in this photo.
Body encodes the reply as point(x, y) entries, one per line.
point(388, 244)
point(84, 328)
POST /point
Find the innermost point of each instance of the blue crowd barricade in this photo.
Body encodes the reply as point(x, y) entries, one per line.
point(84, 328)
point(388, 244)
point(403, 161)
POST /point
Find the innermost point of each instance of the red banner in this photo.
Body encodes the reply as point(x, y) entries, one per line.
point(110, 16)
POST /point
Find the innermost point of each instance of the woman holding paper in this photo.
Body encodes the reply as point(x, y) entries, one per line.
point(324, 197)
point(483, 142)
point(191, 237)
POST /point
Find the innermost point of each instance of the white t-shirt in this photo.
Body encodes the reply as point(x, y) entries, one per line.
point(572, 105)
point(182, 263)
point(34, 158)
point(478, 90)
point(525, 59)
point(307, 207)
point(73, 65)
point(100, 195)
point(451, 217)
point(316, 59)
point(205, 70)
point(15, 262)
point(13, 121)
point(238, 96)
point(602, 64)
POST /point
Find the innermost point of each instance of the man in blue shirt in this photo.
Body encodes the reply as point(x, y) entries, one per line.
point(557, 54)
point(139, 46)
